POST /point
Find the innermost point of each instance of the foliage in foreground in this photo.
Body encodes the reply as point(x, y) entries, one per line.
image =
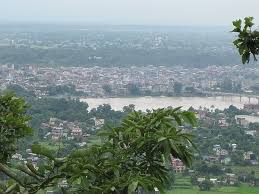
point(13, 124)
point(132, 156)
point(247, 42)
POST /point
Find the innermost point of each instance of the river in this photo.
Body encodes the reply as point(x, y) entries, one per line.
point(143, 103)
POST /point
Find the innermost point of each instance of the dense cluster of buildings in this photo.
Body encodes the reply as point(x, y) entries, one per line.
point(147, 80)
point(58, 129)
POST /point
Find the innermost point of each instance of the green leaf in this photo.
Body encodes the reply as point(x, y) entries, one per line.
point(32, 169)
point(176, 109)
point(237, 42)
point(249, 21)
point(237, 24)
point(13, 188)
point(190, 118)
point(177, 119)
point(132, 187)
point(43, 151)
point(246, 57)
point(241, 49)
point(104, 133)
point(161, 139)
point(247, 41)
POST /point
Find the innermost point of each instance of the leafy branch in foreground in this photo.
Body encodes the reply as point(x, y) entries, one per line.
point(134, 156)
point(13, 124)
point(247, 42)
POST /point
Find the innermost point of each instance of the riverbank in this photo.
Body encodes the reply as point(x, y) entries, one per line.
point(148, 102)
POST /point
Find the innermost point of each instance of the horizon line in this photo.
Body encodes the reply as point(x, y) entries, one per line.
point(98, 23)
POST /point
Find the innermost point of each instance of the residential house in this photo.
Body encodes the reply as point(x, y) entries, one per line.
point(253, 108)
point(76, 132)
point(56, 133)
point(214, 180)
point(249, 156)
point(222, 152)
point(231, 179)
point(178, 165)
point(241, 120)
point(98, 122)
point(201, 179)
point(223, 123)
point(251, 132)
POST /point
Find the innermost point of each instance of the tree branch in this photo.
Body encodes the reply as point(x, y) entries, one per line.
point(11, 174)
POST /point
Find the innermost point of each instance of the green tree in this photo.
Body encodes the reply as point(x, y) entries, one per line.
point(247, 42)
point(178, 87)
point(227, 85)
point(107, 89)
point(205, 185)
point(253, 126)
point(13, 124)
point(237, 158)
point(129, 109)
point(69, 89)
point(190, 89)
point(133, 89)
point(20, 91)
point(13, 127)
point(134, 155)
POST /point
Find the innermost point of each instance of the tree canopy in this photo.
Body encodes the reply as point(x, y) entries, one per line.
point(13, 124)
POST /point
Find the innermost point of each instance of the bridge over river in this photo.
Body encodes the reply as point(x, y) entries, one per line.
point(242, 96)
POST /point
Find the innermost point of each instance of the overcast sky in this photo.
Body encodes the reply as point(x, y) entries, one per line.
point(163, 12)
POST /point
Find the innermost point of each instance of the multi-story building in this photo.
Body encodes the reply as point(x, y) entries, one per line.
point(178, 165)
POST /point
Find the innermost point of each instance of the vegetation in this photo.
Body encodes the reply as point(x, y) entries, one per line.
point(134, 155)
point(243, 189)
point(117, 55)
point(133, 89)
point(178, 87)
point(13, 124)
point(64, 90)
point(218, 189)
point(247, 42)
point(107, 89)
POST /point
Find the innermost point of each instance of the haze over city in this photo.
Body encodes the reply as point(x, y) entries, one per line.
point(129, 96)
point(140, 12)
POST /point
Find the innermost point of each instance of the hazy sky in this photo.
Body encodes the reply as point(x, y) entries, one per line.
point(164, 12)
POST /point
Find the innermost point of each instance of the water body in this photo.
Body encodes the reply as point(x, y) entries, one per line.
point(144, 103)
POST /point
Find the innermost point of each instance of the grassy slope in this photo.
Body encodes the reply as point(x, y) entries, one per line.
point(243, 189)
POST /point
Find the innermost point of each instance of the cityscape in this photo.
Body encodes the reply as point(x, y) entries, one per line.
point(132, 81)
point(129, 97)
